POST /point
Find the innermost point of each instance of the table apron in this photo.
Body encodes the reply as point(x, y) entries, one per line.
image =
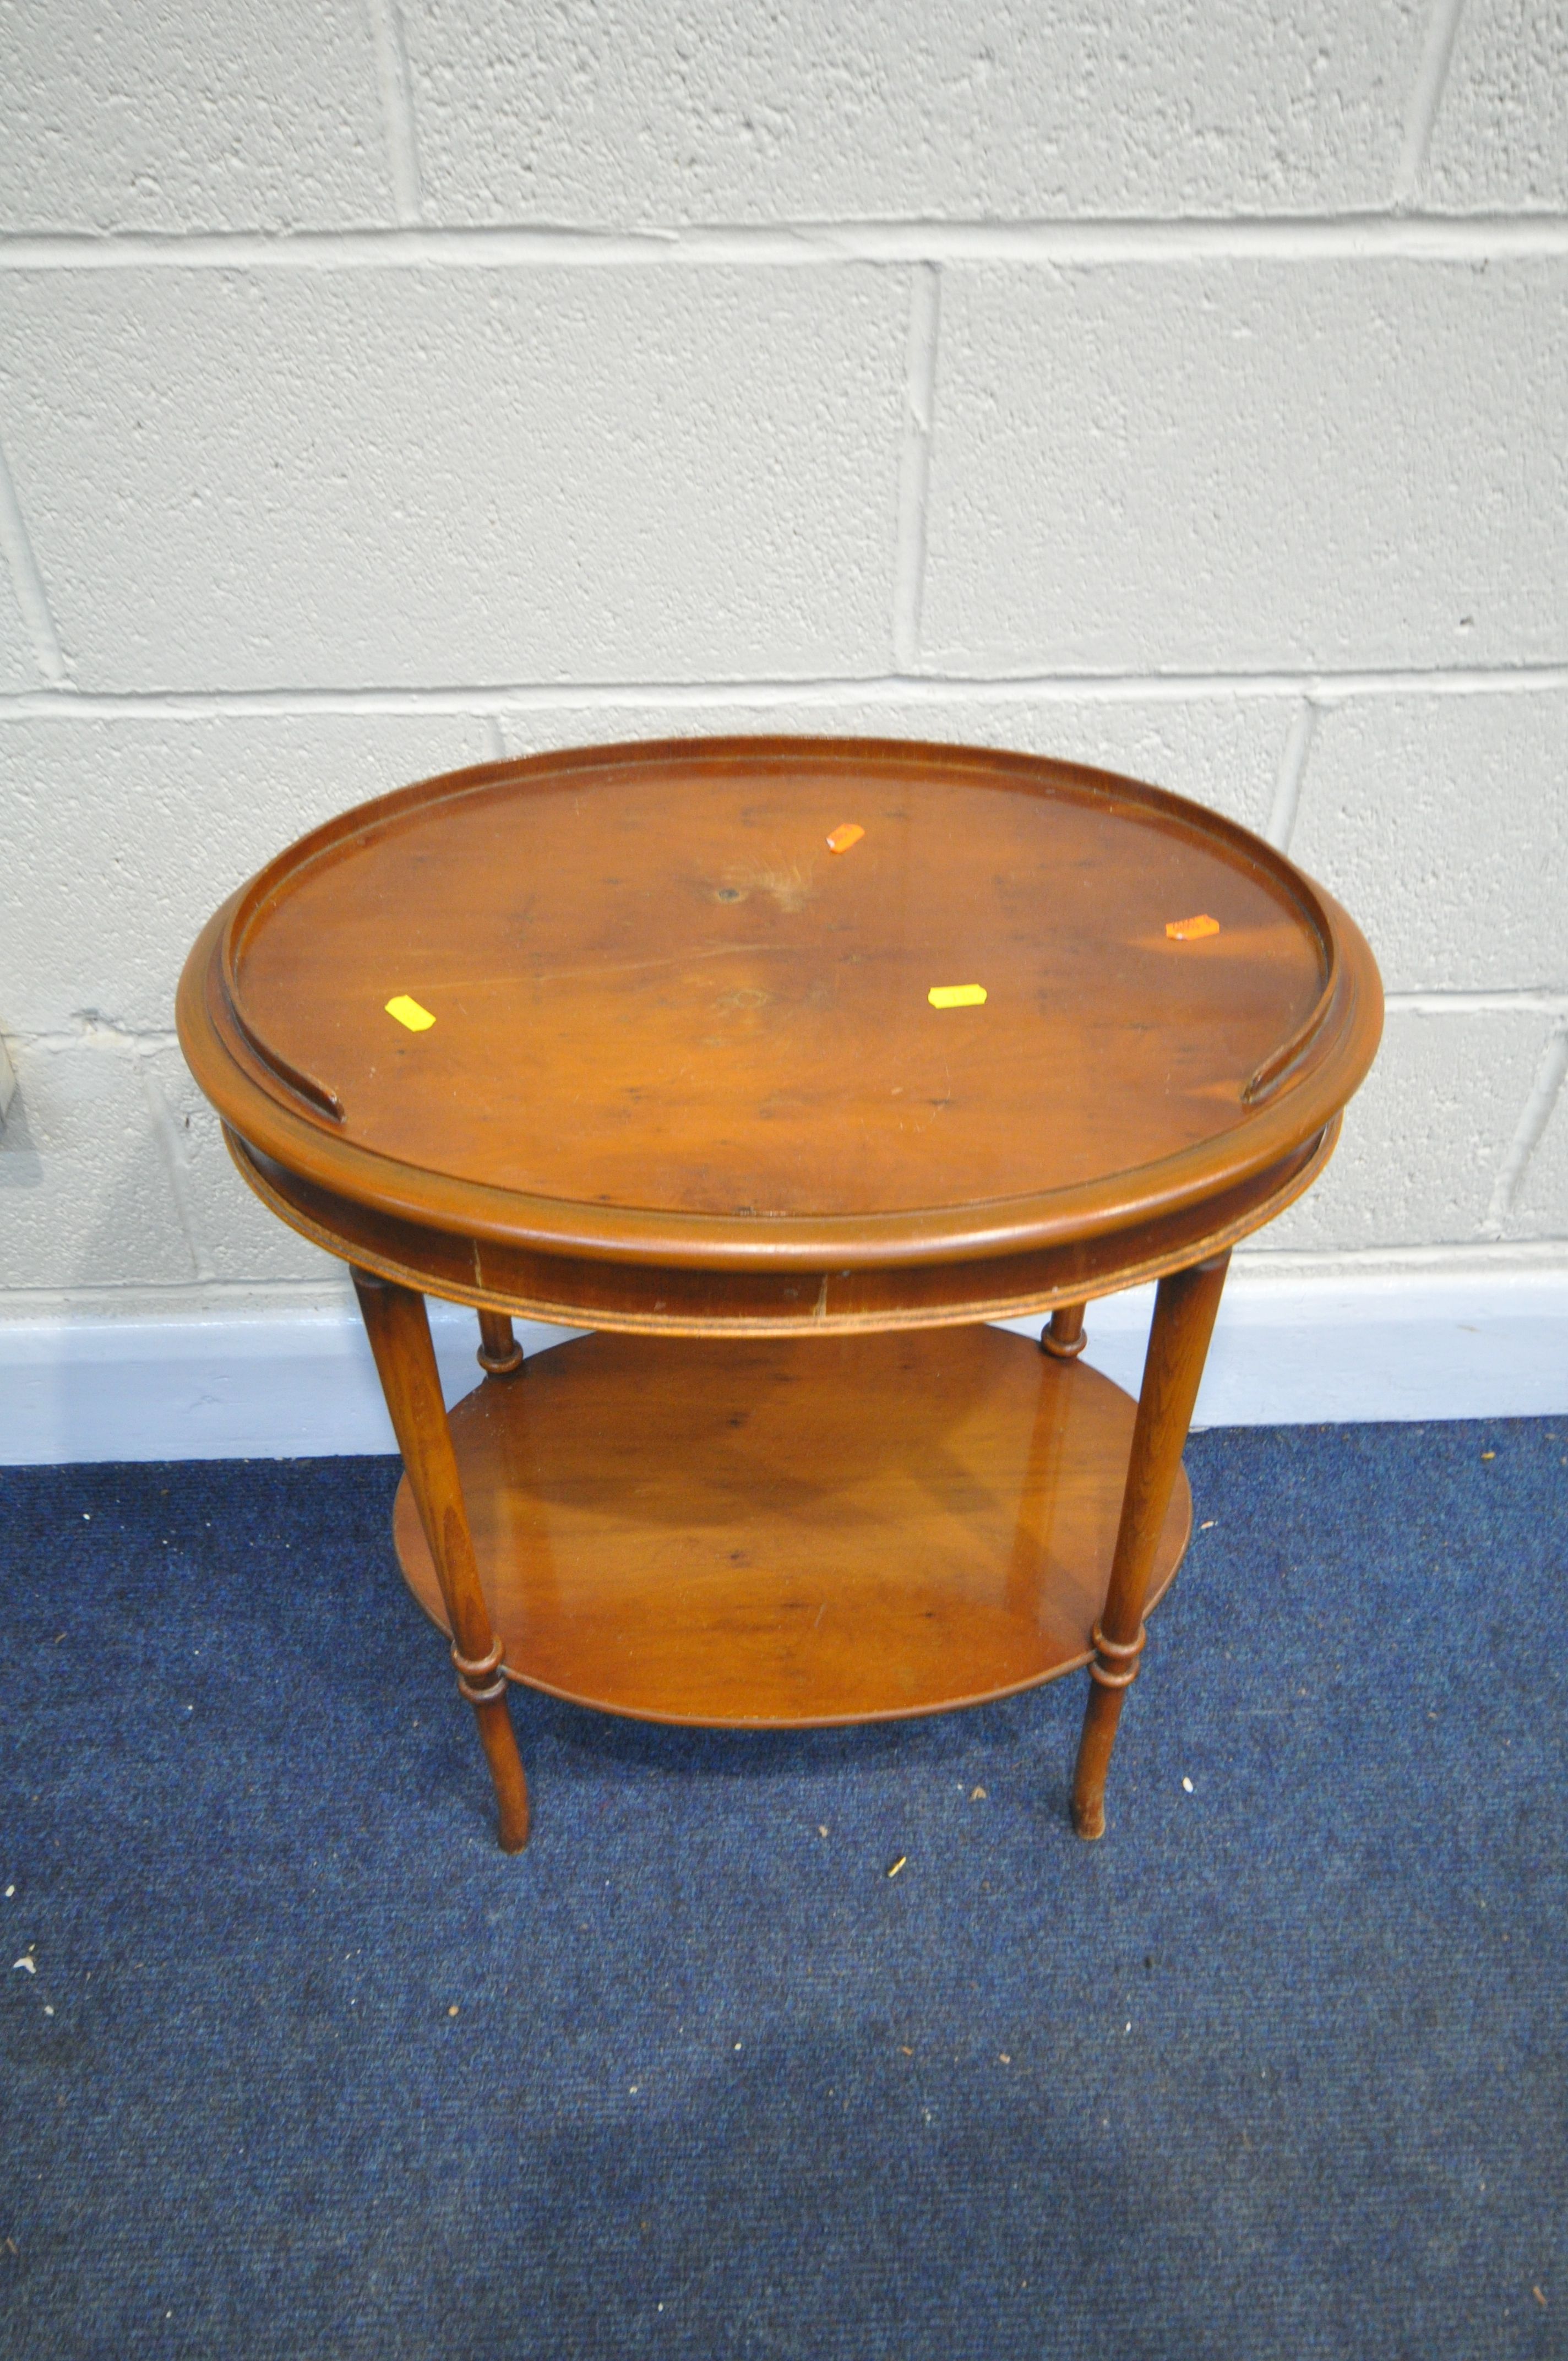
point(579, 1291)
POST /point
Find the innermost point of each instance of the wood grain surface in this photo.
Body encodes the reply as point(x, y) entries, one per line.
point(792, 1533)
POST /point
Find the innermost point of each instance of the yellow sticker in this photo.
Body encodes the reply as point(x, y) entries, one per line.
point(957, 995)
point(409, 1012)
point(847, 833)
point(1192, 930)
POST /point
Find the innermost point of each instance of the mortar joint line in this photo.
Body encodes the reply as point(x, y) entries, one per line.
point(301, 1295)
point(482, 700)
point(397, 111)
point(177, 1170)
point(27, 583)
point(1292, 771)
point(96, 1033)
point(915, 463)
point(1515, 1253)
point(1546, 1088)
point(1426, 98)
point(1394, 233)
point(1525, 999)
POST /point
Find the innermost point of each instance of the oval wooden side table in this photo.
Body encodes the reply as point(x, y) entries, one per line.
point(783, 1066)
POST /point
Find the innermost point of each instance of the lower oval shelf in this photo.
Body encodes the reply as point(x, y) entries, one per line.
point(782, 1533)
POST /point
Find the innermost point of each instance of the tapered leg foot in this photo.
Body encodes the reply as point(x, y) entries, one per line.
point(481, 1680)
point(1113, 1671)
point(499, 1739)
point(1089, 1814)
point(1184, 1315)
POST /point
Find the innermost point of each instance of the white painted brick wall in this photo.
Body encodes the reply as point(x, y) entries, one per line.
point(384, 386)
point(16, 657)
point(648, 111)
point(170, 117)
point(1251, 467)
point(1537, 1208)
point(362, 477)
point(1501, 138)
point(1222, 751)
point(1422, 1149)
point(234, 1236)
point(1442, 822)
point(85, 1173)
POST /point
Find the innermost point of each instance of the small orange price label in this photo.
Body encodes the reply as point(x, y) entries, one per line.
point(1192, 930)
point(846, 834)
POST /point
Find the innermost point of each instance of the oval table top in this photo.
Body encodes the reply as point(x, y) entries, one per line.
point(760, 1001)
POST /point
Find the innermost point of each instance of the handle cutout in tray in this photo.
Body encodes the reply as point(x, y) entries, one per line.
point(305, 1086)
point(1273, 1073)
point(317, 1096)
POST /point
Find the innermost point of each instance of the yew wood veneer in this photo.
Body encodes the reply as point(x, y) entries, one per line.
point(784, 1113)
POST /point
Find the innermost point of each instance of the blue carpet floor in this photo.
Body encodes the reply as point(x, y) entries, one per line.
point(305, 2068)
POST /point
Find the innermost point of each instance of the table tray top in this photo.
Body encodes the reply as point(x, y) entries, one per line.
point(660, 1001)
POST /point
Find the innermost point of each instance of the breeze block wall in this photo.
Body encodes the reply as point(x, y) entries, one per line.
point(387, 385)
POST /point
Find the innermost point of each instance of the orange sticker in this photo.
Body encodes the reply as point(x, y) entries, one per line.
point(846, 834)
point(1192, 930)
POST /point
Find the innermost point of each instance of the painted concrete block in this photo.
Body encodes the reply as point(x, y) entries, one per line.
point(85, 1199)
point(655, 112)
point(399, 476)
point(124, 836)
point(237, 1238)
point(1425, 1137)
point(1501, 140)
point(1222, 752)
point(1442, 822)
point(1247, 465)
point(1540, 1201)
point(17, 669)
point(189, 115)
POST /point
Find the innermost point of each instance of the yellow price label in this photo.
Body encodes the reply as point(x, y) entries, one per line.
point(409, 1012)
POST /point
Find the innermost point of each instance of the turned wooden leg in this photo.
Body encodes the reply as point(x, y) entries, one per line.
point(1040, 1496)
point(1178, 1344)
point(405, 1360)
point(499, 1354)
point(1063, 1337)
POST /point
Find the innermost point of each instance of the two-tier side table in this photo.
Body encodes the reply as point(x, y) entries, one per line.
point(784, 1066)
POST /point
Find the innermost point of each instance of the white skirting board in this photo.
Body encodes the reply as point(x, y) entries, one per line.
point(1289, 1349)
